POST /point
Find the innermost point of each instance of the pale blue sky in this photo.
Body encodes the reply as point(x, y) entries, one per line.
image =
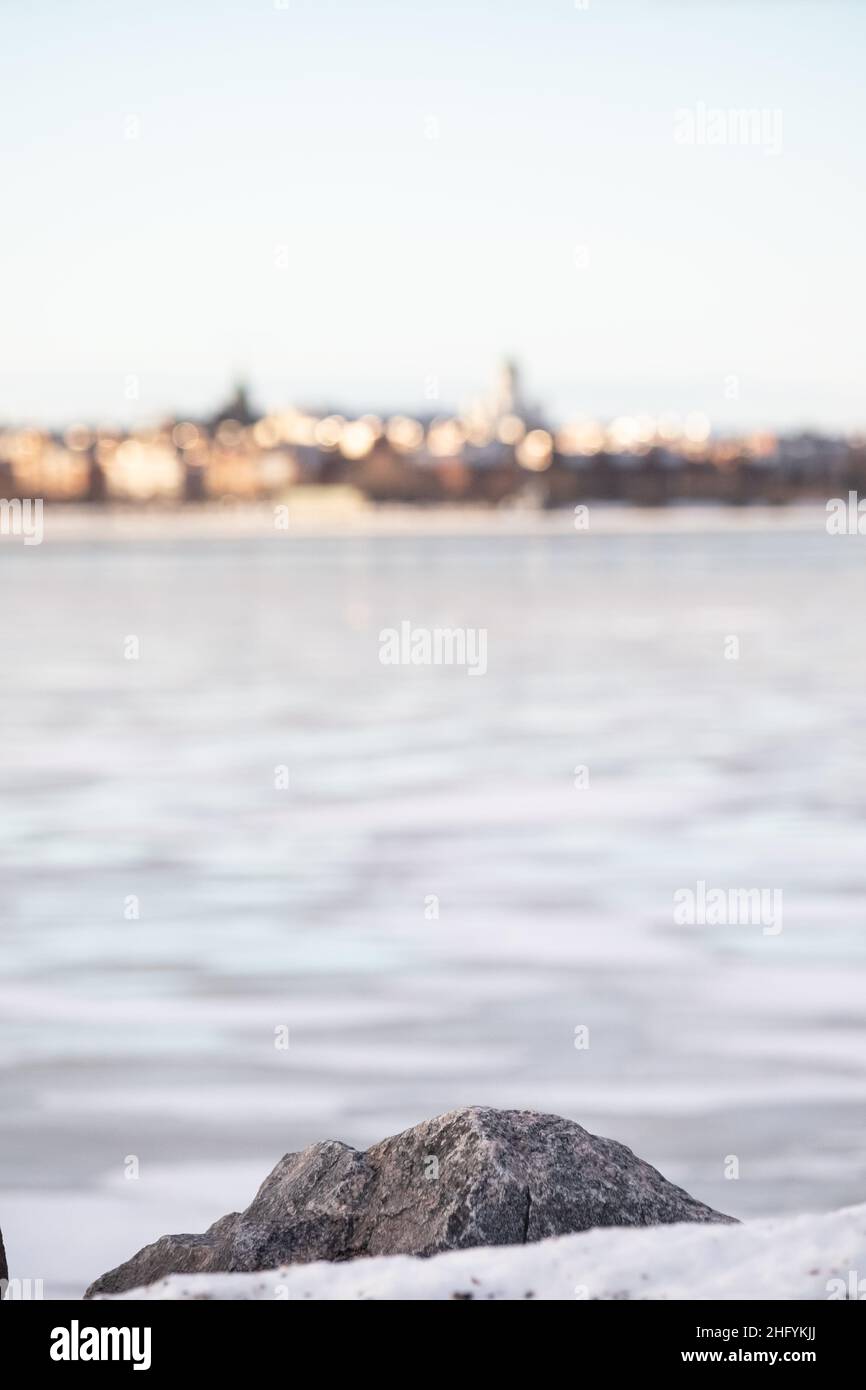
point(283, 211)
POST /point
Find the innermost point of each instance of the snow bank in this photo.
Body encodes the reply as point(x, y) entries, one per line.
point(803, 1257)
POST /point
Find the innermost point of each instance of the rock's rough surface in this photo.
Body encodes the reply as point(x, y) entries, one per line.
point(471, 1177)
point(4, 1272)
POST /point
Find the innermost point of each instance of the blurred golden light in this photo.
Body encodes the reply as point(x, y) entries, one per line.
point(140, 470)
point(129, 453)
point(185, 435)
point(63, 473)
point(669, 427)
point(277, 469)
point(444, 438)
point(328, 432)
point(511, 429)
point(266, 432)
point(296, 428)
point(229, 433)
point(696, 428)
point(623, 433)
point(535, 451)
point(568, 438)
point(589, 437)
point(357, 439)
point(478, 433)
point(403, 434)
point(25, 444)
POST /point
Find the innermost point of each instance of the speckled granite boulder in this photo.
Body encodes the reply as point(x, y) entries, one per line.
point(471, 1177)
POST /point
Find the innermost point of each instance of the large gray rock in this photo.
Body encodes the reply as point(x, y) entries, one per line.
point(471, 1177)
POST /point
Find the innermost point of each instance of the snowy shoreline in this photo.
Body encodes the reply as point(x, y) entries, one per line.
point(815, 1257)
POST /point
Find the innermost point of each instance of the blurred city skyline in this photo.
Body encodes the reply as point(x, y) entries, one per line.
point(502, 449)
point(367, 205)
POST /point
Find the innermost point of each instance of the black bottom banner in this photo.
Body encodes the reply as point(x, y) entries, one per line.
point(163, 1338)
